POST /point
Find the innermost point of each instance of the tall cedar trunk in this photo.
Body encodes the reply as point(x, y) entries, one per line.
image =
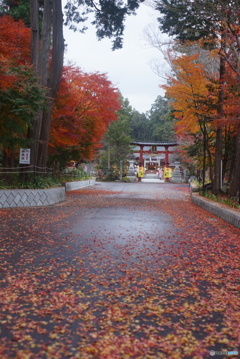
point(218, 159)
point(210, 164)
point(234, 190)
point(204, 151)
point(54, 79)
point(34, 9)
point(43, 68)
point(232, 164)
point(226, 151)
point(202, 125)
point(218, 150)
point(49, 71)
point(35, 37)
point(40, 57)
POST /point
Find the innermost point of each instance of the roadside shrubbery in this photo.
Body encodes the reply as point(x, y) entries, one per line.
point(222, 198)
point(39, 182)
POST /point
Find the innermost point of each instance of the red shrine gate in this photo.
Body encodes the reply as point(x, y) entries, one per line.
point(153, 162)
point(154, 150)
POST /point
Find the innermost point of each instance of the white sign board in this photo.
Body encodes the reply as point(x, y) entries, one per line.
point(24, 157)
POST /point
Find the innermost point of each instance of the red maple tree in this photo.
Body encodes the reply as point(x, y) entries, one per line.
point(14, 48)
point(86, 104)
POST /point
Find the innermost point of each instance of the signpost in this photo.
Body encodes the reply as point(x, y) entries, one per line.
point(24, 157)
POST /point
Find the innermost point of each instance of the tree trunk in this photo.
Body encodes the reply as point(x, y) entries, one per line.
point(109, 157)
point(218, 151)
point(218, 159)
point(204, 152)
point(34, 21)
point(40, 58)
point(226, 151)
point(234, 190)
point(35, 38)
point(54, 79)
point(49, 70)
point(210, 164)
point(232, 163)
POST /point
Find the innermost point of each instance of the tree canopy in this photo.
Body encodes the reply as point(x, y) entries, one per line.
point(108, 17)
point(189, 20)
point(20, 93)
point(47, 48)
point(85, 106)
point(157, 125)
point(214, 26)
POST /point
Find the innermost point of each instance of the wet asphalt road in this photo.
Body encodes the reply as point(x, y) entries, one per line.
point(116, 271)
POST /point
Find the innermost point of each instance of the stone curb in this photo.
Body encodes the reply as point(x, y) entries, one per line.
point(226, 214)
point(193, 188)
point(71, 186)
point(16, 198)
point(31, 197)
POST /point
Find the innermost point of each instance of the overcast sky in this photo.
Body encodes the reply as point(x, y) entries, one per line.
point(129, 68)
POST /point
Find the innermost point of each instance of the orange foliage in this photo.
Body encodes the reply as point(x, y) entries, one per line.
point(192, 99)
point(195, 95)
point(85, 106)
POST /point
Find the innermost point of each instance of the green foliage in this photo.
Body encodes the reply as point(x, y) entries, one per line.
point(181, 18)
point(105, 174)
point(131, 125)
point(35, 182)
point(157, 127)
point(19, 10)
point(59, 159)
point(231, 202)
point(126, 179)
point(111, 175)
point(109, 17)
point(18, 105)
point(139, 126)
point(193, 20)
point(117, 139)
point(73, 174)
point(197, 183)
point(161, 126)
point(40, 182)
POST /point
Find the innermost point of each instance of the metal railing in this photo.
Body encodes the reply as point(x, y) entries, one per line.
point(26, 169)
point(29, 173)
point(24, 173)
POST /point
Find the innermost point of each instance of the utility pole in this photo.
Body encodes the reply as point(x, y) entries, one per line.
point(109, 156)
point(121, 170)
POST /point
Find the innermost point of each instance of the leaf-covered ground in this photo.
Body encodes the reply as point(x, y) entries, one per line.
point(118, 271)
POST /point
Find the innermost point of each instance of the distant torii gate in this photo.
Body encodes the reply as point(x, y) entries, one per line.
point(166, 151)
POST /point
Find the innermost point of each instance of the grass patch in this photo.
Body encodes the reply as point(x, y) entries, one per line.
point(222, 198)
